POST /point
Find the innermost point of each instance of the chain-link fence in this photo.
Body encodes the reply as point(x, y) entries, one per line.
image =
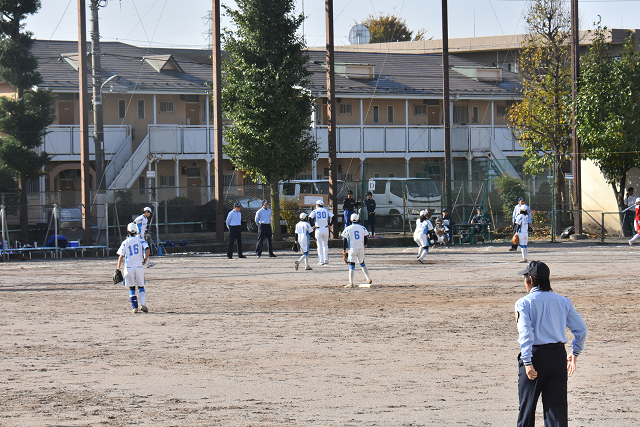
point(184, 215)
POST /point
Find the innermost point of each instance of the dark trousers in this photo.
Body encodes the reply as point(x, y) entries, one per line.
point(371, 222)
point(550, 361)
point(347, 217)
point(264, 232)
point(234, 234)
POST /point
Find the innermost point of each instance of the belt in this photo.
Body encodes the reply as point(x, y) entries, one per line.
point(553, 344)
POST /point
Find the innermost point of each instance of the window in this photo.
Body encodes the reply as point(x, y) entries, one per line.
point(141, 185)
point(228, 180)
point(376, 175)
point(122, 108)
point(346, 176)
point(421, 175)
point(376, 114)
point(502, 111)
point(288, 189)
point(167, 107)
point(396, 188)
point(346, 109)
point(33, 185)
point(390, 113)
point(475, 116)
point(141, 108)
point(167, 181)
point(460, 114)
point(381, 187)
point(419, 110)
point(392, 175)
point(326, 172)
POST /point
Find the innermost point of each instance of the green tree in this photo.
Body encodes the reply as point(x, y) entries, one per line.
point(608, 110)
point(542, 119)
point(510, 190)
point(389, 28)
point(263, 95)
point(25, 117)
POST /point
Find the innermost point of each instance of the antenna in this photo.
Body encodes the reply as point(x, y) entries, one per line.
point(359, 34)
point(207, 34)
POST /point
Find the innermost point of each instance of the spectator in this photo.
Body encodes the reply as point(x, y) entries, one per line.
point(481, 223)
point(629, 214)
point(370, 220)
point(447, 221)
point(349, 207)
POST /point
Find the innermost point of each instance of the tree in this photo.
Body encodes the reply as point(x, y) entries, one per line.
point(608, 109)
point(25, 117)
point(389, 28)
point(263, 95)
point(510, 190)
point(542, 119)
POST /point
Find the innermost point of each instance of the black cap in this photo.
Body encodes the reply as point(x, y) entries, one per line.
point(237, 205)
point(521, 199)
point(538, 269)
point(445, 210)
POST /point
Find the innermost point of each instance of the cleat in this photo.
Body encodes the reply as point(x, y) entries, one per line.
point(369, 281)
point(308, 268)
point(326, 262)
point(321, 263)
point(420, 261)
point(144, 309)
point(522, 261)
point(630, 243)
point(150, 264)
point(295, 263)
point(350, 285)
point(135, 310)
point(513, 249)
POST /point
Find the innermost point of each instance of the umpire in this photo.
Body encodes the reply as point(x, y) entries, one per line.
point(542, 317)
point(263, 219)
point(234, 222)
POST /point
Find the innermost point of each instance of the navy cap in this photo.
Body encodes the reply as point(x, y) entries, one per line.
point(521, 199)
point(445, 210)
point(237, 205)
point(538, 269)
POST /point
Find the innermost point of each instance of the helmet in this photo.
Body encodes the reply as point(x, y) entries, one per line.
point(439, 220)
point(355, 217)
point(132, 228)
point(320, 203)
point(423, 213)
point(147, 209)
point(303, 216)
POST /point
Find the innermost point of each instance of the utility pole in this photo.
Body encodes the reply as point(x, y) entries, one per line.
point(331, 116)
point(575, 75)
point(217, 119)
point(98, 125)
point(85, 174)
point(445, 105)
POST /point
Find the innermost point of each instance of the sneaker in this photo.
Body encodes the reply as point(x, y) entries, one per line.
point(144, 308)
point(241, 256)
point(369, 281)
point(272, 255)
point(321, 263)
point(630, 243)
point(258, 255)
point(522, 261)
point(420, 261)
point(513, 249)
point(350, 285)
point(150, 264)
point(135, 310)
point(326, 262)
point(296, 264)
point(308, 268)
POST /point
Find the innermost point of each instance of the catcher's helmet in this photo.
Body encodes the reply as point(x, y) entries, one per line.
point(303, 216)
point(132, 228)
point(355, 217)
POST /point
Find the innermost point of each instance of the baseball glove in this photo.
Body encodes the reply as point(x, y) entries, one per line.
point(117, 277)
point(296, 247)
point(345, 257)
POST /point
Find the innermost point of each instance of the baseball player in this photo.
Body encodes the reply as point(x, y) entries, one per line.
point(355, 240)
point(636, 222)
point(522, 222)
point(442, 232)
point(142, 222)
point(323, 219)
point(134, 251)
point(303, 228)
point(423, 226)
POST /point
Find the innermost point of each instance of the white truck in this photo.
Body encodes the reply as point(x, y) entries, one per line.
point(400, 197)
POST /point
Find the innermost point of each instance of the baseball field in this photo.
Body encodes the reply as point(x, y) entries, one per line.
point(251, 342)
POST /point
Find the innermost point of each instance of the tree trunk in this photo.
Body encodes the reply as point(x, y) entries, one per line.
point(275, 211)
point(626, 218)
point(24, 211)
point(560, 215)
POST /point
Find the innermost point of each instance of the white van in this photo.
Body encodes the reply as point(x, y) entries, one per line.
point(390, 195)
point(294, 188)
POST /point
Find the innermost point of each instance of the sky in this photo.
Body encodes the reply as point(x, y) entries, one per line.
point(170, 23)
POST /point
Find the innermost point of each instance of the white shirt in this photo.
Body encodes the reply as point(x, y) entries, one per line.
point(133, 248)
point(355, 234)
point(322, 216)
point(234, 218)
point(263, 216)
point(516, 211)
point(630, 200)
point(423, 227)
point(523, 222)
point(303, 228)
point(141, 221)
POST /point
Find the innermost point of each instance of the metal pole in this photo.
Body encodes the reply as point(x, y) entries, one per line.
point(575, 75)
point(96, 73)
point(332, 115)
point(217, 122)
point(106, 218)
point(602, 236)
point(85, 170)
point(553, 203)
point(155, 209)
point(445, 106)
point(4, 237)
point(55, 227)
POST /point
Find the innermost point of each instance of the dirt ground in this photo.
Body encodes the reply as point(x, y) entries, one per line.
point(251, 342)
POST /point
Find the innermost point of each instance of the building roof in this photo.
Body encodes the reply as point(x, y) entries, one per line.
point(408, 76)
point(189, 71)
point(164, 71)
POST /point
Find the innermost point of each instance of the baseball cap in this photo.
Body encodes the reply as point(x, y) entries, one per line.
point(445, 210)
point(638, 201)
point(132, 228)
point(147, 209)
point(303, 216)
point(521, 199)
point(237, 205)
point(320, 203)
point(355, 217)
point(265, 201)
point(536, 268)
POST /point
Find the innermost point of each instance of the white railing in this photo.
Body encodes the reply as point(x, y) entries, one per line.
point(118, 161)
point(133, 167)
point(64, 140)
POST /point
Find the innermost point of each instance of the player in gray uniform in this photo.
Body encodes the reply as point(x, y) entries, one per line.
point(323, 219)
point(134, 251)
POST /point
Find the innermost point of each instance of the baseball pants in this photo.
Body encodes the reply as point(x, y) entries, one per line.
point(322, 240)
point(550, 361)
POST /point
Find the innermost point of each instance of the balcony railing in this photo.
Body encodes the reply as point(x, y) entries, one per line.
point(63, 141)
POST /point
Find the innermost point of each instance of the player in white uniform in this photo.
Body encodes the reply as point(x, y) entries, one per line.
point(303, 228)
point(323, 219)
point(423, 226)
point(355, 240)
point(522, 223)
point(134, 252)
point(141, 222)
